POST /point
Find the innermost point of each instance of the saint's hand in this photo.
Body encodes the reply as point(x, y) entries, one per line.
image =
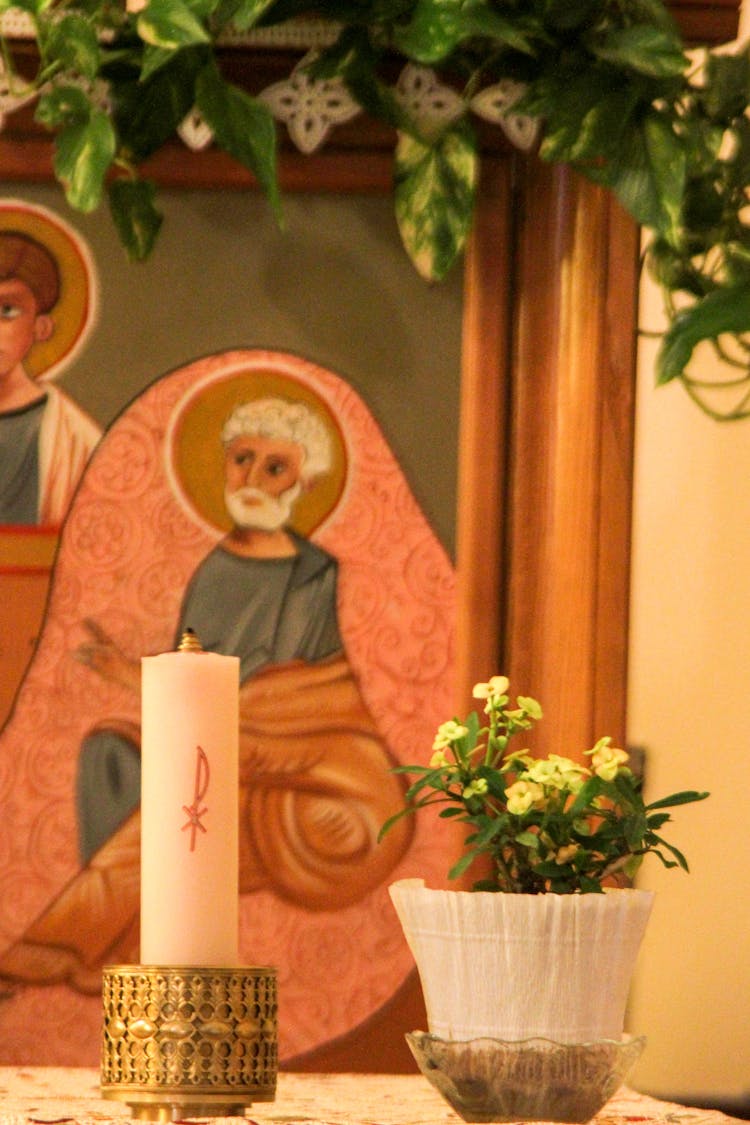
point(102, 654)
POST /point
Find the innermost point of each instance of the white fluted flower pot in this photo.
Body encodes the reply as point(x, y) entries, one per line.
point(515, 966)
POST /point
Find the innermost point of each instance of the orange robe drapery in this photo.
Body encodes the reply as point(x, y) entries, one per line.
point(315, 787)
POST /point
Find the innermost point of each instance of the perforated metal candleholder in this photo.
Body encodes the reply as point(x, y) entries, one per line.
point(181, 1042)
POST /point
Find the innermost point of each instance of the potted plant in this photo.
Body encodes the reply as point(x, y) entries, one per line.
point(605, 87)
point(544, 944)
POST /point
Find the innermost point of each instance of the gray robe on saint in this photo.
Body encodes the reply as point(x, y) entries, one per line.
point(266, 611)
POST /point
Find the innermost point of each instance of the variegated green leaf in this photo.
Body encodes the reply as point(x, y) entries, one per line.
point(243, 127)
point(62, 105)
point(83, 154)
point(433, 32)
point(435, 189)
point(437, 27)
point(649, 178)
point(242, 14)
point(73, 42)
point(724, 310)
point(648, 50)
point(170, 24)
point(132, 206)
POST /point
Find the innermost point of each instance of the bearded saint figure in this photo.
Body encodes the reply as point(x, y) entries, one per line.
point(315, 777)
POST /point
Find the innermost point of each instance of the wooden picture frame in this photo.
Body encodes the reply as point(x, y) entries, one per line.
point(545, 440)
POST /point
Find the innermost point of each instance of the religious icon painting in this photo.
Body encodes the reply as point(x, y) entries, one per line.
point(252, 497)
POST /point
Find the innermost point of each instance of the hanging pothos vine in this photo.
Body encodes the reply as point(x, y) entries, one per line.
point(610, 83)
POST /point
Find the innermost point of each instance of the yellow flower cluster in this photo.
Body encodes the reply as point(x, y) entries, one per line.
point(535, 778)
point(492, 689)
point(549, 824)
point(522, 795)
point(607, 759)
point(538, 778)
point(448, 733)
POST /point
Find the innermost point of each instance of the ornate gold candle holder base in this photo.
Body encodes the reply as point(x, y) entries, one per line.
point(181, 1042)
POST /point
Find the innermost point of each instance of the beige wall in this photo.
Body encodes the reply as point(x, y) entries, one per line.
point(689, 706)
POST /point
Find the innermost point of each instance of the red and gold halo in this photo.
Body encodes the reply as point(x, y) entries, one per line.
point(196, 455)
point(74, 315)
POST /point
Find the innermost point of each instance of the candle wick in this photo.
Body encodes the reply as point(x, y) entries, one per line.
point(189, 642)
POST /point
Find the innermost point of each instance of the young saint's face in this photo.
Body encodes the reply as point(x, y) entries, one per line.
point(20, 323)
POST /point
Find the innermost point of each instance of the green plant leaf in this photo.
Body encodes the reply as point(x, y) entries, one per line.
point(632, 865)
point(437, 27)
point(660, 855)
point(472, 724)
point(685, 797)
point(394, 819)
point(651, 12)
point(83, 154)
point(433, 32)
point(737, 265)
point(633, 829)
point(588, 792)
point(463, 863)
point(738, 169)
point(585, 113)
point(170, 24)
point(724, 310)
point(154, 58)
point(73, 42)
point(653, 51)
point(243, 127)
point(435, 188)
point(681, 860)
point(649, 175)
point(62, 105)
point(148, 111)
point(485, 885)
point(496, 786)
point(133, 209)
point(355, 60)
point(590, 886)
point(657, 820)
point(703, 206)
point(673, 269)
point(33, 7)
point(242, 14)
point(725, 93)
point(481, 19)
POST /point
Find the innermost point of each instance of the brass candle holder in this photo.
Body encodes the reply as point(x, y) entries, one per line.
point(182, 1042)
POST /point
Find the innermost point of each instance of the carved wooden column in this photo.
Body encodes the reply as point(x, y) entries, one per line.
point(482, 435)
point(568, 500)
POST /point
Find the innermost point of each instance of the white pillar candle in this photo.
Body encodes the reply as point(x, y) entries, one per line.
point(190, 809)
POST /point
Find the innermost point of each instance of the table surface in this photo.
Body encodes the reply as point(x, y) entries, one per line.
point(60, 1096)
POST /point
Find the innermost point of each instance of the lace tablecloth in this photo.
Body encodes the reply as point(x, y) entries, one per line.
point(57, 1096)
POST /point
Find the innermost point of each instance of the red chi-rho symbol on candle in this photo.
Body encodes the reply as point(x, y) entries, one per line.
point(194, 811)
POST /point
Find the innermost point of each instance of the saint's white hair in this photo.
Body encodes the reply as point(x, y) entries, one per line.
point(280, 420)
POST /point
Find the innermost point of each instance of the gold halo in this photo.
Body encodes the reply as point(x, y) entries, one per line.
point(74, 314)
point(196, 454)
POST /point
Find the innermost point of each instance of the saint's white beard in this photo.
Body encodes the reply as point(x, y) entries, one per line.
point(268, 514)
